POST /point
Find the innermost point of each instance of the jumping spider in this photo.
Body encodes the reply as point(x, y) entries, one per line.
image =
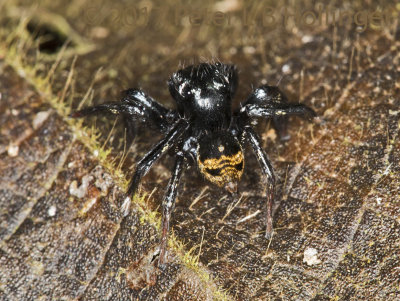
point(203, 130)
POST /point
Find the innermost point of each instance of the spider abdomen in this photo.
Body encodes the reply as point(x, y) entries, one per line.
point(220, 158)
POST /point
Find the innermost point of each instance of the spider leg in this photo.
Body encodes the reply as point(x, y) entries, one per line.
point(162, 146)
point(115, 108)
point(168, 206)
point(268, 95)
point(269, 102)
point(149, 109)
point(280, 124)
point(130, 133)
point(267, 170)
point(134, 106)
point(278, 110)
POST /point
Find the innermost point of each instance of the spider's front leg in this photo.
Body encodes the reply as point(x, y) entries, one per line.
point(145, 164)
point(267, 170)
point(151, 157)
point(134, 106)
point(168, 206)
point(169, 200)
point(270, 102)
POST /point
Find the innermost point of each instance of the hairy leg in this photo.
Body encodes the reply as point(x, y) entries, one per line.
point(168, 206)
point(267, 170)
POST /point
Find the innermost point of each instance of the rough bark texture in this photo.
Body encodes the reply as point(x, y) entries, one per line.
point(65, 231)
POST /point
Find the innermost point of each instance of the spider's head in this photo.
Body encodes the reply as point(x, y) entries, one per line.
point(220, 159)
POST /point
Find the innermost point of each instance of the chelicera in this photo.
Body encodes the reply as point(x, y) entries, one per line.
point(204, 130)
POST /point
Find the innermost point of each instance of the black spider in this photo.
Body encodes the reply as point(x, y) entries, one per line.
point(204, 130)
